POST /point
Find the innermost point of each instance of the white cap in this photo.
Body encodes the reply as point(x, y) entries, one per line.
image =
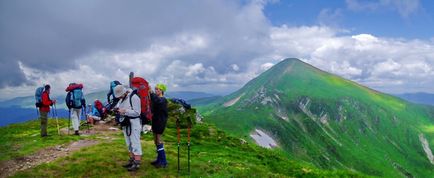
point(119, 91)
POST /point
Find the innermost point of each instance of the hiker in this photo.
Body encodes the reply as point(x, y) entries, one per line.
point(113, 101)
point(159, 120)
point(128, 108)
point(75, 102)
point(97, 112)
point(44, 109)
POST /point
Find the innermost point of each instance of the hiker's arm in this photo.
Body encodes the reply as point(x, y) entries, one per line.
point(164, 108)
point(83, 103)
point(157, 100)
point(135, 112)
point(108, 96)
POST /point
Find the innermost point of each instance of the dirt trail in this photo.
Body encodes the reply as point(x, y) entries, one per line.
point(45, 155)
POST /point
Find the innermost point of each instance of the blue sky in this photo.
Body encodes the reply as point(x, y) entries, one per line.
point(212, 46)
point(384, 20)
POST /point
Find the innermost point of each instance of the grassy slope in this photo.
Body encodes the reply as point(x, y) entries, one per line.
point(364, 141)
point(214, 154)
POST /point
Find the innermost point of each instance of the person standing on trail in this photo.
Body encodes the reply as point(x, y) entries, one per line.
point(159, 120)
point(75, 102)
point(44, 109)
point(128, 108)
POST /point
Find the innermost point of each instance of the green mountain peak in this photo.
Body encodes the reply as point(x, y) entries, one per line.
point(332, 122)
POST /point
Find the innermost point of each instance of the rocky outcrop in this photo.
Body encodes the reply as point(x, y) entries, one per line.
point(426, 148)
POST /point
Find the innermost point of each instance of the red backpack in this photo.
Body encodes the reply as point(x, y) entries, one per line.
point(98, 105)
point(142, 89)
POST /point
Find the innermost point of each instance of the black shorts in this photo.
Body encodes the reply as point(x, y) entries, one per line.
point(158, 125)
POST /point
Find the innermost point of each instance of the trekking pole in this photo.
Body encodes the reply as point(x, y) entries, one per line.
point(179, 140)
point(188, 145)
point(57, 119)
point(83, 110)
point(69, 119)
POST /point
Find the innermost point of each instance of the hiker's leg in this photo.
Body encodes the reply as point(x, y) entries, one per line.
point(75, 114)
point(135, 138)
point(130, 154)
point(157, 160)
point(135, 144)
point(162, 162)
point(73, 117)
point(155, 139)
point(159, 139)
point(96, 119)
point(44, 120)
point(127, 141)
point(89, 119)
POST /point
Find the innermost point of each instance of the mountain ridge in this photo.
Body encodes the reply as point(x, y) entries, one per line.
point(323, 118)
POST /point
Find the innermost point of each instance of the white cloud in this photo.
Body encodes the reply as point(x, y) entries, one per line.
point(266, 66)
point(391, 65)
point(235, 67)
point(223, 54)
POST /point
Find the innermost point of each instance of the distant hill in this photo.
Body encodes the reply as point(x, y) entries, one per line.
point(329, 121)
point(29, 101)
point(13, 115)
point(188, 95)
point(204, 101)
point(420, 98)
point(21, 109)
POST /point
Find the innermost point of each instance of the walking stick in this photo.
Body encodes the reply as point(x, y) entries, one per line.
point(57, 119)
point(188, 144)
point(69, 119)
point(83, 110)
point(89, 112)
point(179, 140)
point(37, 112)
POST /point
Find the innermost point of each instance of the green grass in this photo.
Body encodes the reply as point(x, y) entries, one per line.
point(21, 139)
point(213, 154)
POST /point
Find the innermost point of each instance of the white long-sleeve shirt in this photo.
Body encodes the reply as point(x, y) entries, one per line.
point(125, 104)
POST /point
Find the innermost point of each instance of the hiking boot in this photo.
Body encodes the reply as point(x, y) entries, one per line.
point(159, 165)
point(135, 166)
point(129, 163)
point(155, 162)
point(76, 133)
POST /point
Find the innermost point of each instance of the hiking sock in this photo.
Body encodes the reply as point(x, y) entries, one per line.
point(129, 163)
point(135, 166)
point(162, 162)
point(157, 160)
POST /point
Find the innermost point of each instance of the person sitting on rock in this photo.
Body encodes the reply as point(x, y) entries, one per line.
point(97, 112)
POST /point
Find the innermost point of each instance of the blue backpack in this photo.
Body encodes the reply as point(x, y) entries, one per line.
point(113, 84)
point(74, 99)
point(182, 102)
point(38, 96)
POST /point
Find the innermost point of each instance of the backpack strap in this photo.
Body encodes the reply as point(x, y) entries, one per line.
point(131, 96)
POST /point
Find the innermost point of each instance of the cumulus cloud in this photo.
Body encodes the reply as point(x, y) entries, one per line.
point(216, 47)
point(387, 64)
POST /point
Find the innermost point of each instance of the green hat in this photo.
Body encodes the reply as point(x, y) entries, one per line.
point(162, 87)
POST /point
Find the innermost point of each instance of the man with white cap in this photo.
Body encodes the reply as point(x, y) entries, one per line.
point(130, 113)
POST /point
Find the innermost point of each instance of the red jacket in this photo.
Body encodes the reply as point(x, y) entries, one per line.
point(46, 102)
